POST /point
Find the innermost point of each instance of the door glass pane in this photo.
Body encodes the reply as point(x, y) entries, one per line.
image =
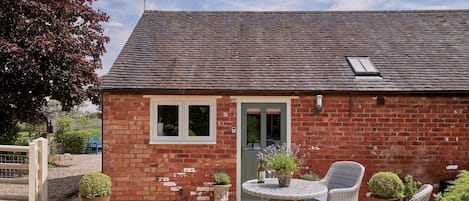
point(167, 120)
point(199, 120)
point(273, 126)
point(253, 128)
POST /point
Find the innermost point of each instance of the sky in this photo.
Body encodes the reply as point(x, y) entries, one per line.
point(124, 14)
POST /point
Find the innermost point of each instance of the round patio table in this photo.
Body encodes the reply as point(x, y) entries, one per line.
point(299, 189)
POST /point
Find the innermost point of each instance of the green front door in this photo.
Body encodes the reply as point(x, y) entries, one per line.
point(262, 124)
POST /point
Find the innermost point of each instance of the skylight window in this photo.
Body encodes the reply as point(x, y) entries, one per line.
point(362, 66)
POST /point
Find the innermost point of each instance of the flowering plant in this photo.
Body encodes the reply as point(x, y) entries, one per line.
point(280, 158)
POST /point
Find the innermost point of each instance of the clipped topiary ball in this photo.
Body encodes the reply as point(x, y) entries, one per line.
point(94, 185)
point(386, 185)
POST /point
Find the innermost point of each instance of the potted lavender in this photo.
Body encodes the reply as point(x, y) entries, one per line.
point(282, 160)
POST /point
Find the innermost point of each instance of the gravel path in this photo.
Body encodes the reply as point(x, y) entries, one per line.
point(64, 179)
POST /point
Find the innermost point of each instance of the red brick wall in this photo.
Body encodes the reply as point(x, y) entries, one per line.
point(143, 171)
point(417, 135)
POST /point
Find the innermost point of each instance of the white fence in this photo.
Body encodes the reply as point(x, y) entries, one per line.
point(36, 167)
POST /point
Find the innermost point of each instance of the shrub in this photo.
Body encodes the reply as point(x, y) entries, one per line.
point(76, 142)
point(94, 185)
point(386, 185)
point(221, 178)
point(459, 191)
point(310, 177)
point(8, 129)
point(22, 141)
point(410, 187)
point(63, 124)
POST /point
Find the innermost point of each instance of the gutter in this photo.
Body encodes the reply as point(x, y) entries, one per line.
point(277, 92)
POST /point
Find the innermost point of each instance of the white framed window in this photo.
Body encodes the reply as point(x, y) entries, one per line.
point(183, 120)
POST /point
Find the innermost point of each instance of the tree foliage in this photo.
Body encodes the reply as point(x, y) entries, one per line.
point(8, 129)
point(48, 49)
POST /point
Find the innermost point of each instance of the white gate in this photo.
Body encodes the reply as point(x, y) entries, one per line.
point(36, 166)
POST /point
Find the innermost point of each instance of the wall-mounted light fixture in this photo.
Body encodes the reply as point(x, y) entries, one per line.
point(318, 107)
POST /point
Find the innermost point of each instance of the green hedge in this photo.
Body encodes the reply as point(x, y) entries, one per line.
point(76, 142)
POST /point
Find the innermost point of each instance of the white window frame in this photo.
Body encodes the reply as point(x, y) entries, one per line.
point(183, 103)
point(362, 66)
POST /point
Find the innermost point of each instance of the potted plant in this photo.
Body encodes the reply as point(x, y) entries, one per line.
point(95, 187)
point(282, 160)
point(410, 187)
point(386, 186)
point(221, 188)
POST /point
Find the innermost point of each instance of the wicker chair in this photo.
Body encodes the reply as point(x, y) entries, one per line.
point(423, 194)
point(343, 180)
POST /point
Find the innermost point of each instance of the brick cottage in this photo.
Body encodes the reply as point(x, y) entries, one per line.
point(193, 93)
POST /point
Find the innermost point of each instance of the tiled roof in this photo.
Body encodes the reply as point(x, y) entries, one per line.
point(414, 51)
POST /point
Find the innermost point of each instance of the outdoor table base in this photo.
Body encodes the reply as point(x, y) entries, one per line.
point(298, 190)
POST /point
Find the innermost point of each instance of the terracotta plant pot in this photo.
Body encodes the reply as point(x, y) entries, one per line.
point(221, 192)
point(96, 199)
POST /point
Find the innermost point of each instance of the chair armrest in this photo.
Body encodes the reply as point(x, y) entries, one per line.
point(343, 190)
point(344, 194)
